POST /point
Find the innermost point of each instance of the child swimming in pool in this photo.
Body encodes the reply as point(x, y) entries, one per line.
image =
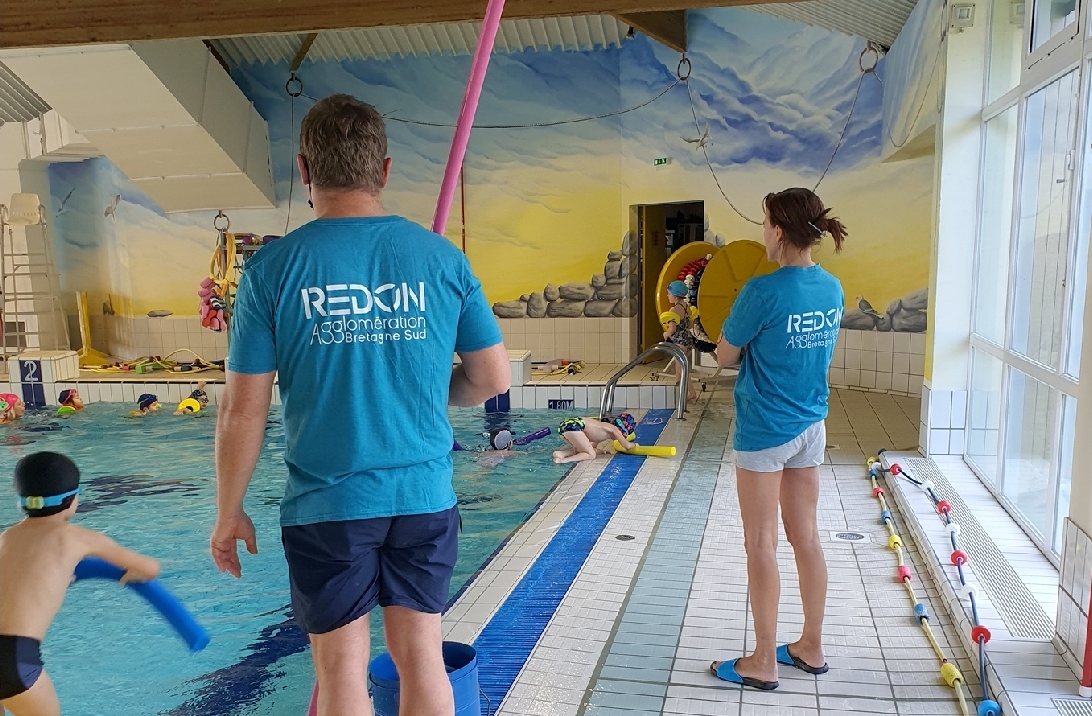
point(38, 558)
point(197, 401)
point(584, 434)
point(12, 407)
point(146, 404)
point(70, 398)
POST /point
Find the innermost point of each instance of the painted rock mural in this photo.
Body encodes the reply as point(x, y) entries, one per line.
point(612, 293)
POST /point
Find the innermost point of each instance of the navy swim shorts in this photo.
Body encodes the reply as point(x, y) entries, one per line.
point(20, 664)
point(340, 571)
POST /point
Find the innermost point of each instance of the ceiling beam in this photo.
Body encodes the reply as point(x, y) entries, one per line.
point(44, 23)
point(666, 26)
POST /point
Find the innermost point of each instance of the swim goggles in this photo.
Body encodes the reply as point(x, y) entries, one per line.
point(38, 502)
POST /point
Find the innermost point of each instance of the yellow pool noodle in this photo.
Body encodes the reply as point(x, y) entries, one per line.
point(649, 450)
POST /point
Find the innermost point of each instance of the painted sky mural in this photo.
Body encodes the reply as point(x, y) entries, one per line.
point(546, 204)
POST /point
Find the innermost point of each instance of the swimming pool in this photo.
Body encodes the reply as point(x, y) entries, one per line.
point(149, 484)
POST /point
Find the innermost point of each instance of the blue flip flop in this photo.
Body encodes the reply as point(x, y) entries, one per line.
point(726, 671)
point(786, 658)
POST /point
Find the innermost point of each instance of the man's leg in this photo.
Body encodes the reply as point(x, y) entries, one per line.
point(414, 640)
point(333, 571)
point(415, 575)
point(341, 669)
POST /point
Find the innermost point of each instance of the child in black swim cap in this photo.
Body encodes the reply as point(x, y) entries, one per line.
point(38, 558)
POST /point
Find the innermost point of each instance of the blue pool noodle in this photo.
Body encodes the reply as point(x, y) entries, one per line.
point(157, 595)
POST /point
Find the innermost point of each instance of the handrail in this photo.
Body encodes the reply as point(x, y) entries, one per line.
point(607, 403)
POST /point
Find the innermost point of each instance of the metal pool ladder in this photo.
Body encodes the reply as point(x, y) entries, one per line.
point(673, 351)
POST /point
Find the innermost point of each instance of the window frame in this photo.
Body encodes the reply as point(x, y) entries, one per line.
point(1065, 52)
point(1058, 40)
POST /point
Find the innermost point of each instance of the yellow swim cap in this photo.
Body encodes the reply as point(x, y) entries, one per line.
point(191, 405)
point(667, 317)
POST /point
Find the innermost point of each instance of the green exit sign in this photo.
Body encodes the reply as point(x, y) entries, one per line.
point(660, 161)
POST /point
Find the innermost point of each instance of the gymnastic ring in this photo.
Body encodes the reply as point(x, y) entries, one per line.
point(288, 84)
point(679, 72)
point(227, 221)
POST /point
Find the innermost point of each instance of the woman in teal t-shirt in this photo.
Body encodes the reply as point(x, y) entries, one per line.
point(781, 333)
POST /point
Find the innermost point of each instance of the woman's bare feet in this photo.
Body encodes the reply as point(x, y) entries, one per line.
point(810, 654)
point(747, 667)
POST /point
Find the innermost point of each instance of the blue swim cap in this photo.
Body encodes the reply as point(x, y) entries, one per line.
point(626, 423)
point(677, 289)
point(145, 401)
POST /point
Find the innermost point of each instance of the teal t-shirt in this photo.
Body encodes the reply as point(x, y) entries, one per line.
point(786, 323)
point(360, 318)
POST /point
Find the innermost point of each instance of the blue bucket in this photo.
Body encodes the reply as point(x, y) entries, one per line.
point(462, 670)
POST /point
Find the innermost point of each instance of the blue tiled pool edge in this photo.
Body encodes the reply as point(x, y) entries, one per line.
point(507, 640)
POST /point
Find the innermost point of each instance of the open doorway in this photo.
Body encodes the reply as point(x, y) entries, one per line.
point(662, 229)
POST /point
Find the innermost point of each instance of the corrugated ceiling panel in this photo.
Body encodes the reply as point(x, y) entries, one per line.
point(585, 32)
point(18, 102)
point(872, 20)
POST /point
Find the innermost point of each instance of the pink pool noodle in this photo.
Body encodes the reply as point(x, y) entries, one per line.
point(466, 115)
point(463, 126)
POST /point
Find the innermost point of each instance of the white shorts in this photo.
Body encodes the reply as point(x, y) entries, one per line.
point(805, 450)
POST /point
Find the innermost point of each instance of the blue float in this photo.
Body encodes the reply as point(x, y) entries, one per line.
point(157, 595)
point(462, 671)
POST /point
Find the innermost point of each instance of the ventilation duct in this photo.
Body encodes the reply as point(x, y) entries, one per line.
point(166, 113)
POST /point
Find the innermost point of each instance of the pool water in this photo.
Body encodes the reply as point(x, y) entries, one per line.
point(149, 484)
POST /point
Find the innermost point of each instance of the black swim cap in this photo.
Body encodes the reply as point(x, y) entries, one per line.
point(46, 474)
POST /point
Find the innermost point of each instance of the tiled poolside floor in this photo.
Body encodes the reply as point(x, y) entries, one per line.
point(645, 616)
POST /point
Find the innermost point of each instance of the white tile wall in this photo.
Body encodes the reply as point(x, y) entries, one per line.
point(588, 398)
point(129, 338)
point(127, 391)
point(885, 362)
point(594, 340)
point(1075, 583)
point(943, 421)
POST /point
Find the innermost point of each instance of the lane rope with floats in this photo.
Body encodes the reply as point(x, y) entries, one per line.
point(980, 635)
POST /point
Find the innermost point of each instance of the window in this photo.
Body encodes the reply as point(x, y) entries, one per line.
point(1029, 449)
point(1051, 18)
point(984, 414)
point(991, 290)
point(1031, 260)
point(1065, 464)
point(1080, 262)
point(1042, 230)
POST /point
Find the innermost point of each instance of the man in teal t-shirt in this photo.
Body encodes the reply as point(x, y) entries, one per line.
point(358, 314)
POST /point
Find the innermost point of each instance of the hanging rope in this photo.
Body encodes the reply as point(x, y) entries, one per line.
point(704, 151)
point(293, 93)
point(873, 49)
point(682, 76)
point(592, 118)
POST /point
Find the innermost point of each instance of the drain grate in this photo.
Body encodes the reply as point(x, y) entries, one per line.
point(1073, 707)
point(1019, 610)
point(850, 536)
